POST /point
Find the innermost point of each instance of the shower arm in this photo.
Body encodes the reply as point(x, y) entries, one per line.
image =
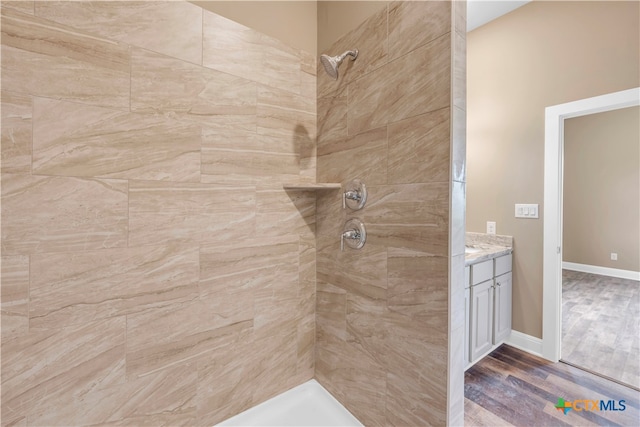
point(352, 53)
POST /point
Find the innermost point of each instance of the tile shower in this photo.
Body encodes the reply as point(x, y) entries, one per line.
point(155, 272)
point(384, 335)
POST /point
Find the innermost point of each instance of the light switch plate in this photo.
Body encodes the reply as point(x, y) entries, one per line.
point(526, 210)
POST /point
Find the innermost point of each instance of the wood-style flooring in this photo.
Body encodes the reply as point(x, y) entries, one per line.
point(512, 387)
point(601, 325)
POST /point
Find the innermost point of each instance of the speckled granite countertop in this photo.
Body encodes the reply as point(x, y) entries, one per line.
point(486, 246)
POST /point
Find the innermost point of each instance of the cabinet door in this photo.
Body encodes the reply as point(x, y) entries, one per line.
point(467, 323)
point(481, 319)
point(502, 311)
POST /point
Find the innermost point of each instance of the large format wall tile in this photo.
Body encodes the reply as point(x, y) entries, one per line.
point(412, 24)
point(419, 148)
point(363, 156)
point(282, 114)
point(276, 146)
point(25, 6)
point(178, 333)
point(15, 295)
point(366, 326)
point(161, 212)
point(357, 380)
point(244, 52)
point(267, 271)
point(279, 167)
point(408, 86)
point(412, 216)
point(276, 361)
point(306, 333)
point(266, 289)
point(332, 118)
point(42, 58)
point(61, 214)
point(331, 311)
point(370, 38)
point(226, 382)
point(417, 282)
point(231, 154)
point(165, 398)
point(362, 272)
point(99, 142)
point(280, 213)
point(169, 27)
point(16, 133)
point(383, 312)
point(276, 304)
point(154, 271)
point(68, 289)
point(78, 360)
point(164, 84)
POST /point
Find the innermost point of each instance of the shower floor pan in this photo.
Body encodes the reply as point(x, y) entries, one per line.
point(308, 404)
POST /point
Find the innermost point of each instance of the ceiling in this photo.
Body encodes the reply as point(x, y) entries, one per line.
point(479, 12)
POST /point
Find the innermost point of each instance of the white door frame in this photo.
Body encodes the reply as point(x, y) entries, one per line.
point(553, 177)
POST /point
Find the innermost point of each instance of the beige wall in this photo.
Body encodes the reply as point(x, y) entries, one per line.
point(293, 22)
point(602, 189)
point(297, 23)
point(336, 18)
point(542, 54)
point(154, 271)
point(385, 332)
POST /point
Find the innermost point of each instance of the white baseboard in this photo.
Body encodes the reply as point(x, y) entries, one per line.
point(604, 271)
point(525, 342)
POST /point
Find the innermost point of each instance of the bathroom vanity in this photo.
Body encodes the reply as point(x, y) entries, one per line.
point(488, 291)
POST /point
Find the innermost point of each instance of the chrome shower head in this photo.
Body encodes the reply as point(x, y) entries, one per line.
point(331, 63)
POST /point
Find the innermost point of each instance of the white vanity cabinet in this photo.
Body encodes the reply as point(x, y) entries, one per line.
point(488, 305)
point(481, 305)
point(503, 290)
point(467, 313)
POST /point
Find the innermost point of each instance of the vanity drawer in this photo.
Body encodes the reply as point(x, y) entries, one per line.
point(503, 264)
point(481, 272)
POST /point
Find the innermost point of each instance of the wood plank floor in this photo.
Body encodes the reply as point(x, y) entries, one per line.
point(513, 388)
point(601, 325)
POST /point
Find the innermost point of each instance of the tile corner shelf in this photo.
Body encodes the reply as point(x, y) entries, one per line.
point(313, 186)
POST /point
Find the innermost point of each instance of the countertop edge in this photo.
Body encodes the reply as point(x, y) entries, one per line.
point(471, 259)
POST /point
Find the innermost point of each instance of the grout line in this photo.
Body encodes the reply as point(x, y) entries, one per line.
point(128, 214)
point(130, 75)
point(387, 154)
point(29, 296)
point(202, 37)
point(126, 347)
point(32, 120)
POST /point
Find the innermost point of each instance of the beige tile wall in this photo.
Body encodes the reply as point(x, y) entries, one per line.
point(385, 313)
point(154, 272)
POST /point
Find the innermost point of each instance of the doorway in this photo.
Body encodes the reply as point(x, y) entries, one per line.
point(601, 244)
point(555, 117)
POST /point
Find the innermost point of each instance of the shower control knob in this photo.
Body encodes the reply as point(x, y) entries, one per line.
point(353, 234)
point(355, 195)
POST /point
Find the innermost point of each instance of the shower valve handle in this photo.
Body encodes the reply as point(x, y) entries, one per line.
point(351, 195)
point(352, 234)
point(354, 195)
